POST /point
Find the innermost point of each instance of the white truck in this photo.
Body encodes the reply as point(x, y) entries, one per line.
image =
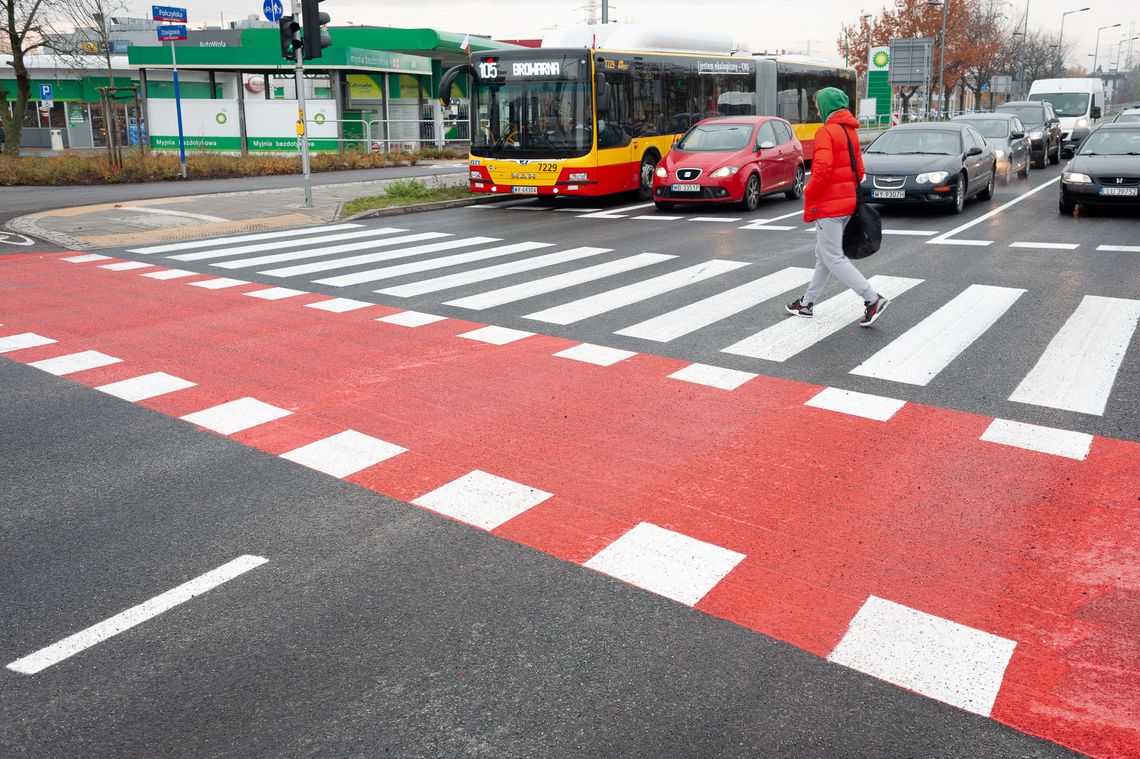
point(1078, 102)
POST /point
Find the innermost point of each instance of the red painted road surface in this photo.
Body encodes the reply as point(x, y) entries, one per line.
point(828, 509)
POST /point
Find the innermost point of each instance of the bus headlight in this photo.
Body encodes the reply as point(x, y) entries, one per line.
point(932, 177)
point(661, 173)
point(724, 171)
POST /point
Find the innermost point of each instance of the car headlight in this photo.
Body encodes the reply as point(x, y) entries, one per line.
point(661, 172)
point(932, 177)
point(724, 171)
point(999, 153)
point(1073, 177)
point(1082, 122)
point(1036, 135)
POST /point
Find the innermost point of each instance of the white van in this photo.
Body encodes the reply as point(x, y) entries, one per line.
point(1078, 103)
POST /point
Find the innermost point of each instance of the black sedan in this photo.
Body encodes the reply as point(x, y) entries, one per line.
point(1007, 134)
point(929, 164)
point(1105, 169)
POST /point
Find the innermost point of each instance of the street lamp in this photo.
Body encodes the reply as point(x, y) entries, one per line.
point(1061, 39)
point(1025, 39)
point(847, 44)
point(941, 54)
point(1096, 53)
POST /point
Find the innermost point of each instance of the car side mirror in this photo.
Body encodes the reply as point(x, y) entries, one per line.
point(766, 145)
point(1095, 112)
point(974, 151)
point(1017, 135)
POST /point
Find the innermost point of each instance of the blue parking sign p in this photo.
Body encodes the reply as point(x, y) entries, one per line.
point(45, 92)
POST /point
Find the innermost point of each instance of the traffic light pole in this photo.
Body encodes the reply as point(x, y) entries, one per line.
point(302, 121)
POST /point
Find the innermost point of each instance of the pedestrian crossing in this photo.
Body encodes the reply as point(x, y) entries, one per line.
point(676, 299)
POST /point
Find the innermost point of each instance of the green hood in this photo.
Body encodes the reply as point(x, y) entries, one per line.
point(830, 100)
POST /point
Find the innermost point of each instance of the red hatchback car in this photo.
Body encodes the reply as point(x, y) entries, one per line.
point(731, 159)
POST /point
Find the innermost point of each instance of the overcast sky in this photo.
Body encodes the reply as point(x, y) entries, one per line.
point(760, 24)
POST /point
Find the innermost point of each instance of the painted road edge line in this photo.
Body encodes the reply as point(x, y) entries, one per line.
point(1032, 437)
point(123, 621)
point(877, 407)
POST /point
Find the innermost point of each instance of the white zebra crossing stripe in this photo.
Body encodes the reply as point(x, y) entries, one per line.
point(147, 386)
point(415, 267)
point(595, 354)
point(557, 282)
point(682, 321)
point(168, 274)
point(713, 376)
point(275, 235)
point(482, 499)
point(450, 281)
point(789, 337)
point(297, 255)
point(23, 340)
point(277, 244)
point(856, 404)
point(74, 362)
point(1072, 445)
point(620, 297)
point(344, 453)
point(919, 354)
point(1079, 367)
point(384, 255)
point(235, 416)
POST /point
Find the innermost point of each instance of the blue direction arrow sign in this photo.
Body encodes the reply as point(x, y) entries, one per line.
point(273, 10)
point(169, 33)
point(168, 14)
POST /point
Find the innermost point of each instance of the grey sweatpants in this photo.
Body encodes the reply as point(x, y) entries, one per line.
point(829, 259)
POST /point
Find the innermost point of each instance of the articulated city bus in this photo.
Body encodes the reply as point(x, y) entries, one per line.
point(588, 120)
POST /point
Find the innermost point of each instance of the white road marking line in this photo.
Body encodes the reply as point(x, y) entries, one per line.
point(1108, 248)
point(415, 267)
point(235, 416)
point(275, 235)
point(450, 281)
point(218, 283)
point(344, 453)
point(123, 621)
point(339, 305)
point(297, 255)
point(275, 293)
point(914, 232)
point(593, 305)
point(867, 406)
point(534, 287)
point(411, 319)
point(496, 335)
point(713, 376)
point(964, 243)
point(1079, 367)
point(169, 274)
point(577, 210)
point(665, 562)
point(126, 266)
point(595, 354)
point(482, 499)
point(166, 212)
point(659, 217)
point(682, 321)
point(529, 208)
point(794, 334)
point(276, 244)
point(147, 386)
point(1046, 245)
point(769, 227)
point(75, 362)
point(614, 213)
point(935, 657)
point(89, 257)
point(919, 354)
point(371, 258)
point(1072, 445)
point(717, 219)
point(23, 340)
point(942, 237)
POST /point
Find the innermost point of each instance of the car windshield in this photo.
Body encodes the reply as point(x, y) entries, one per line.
point(1135, 116)
point(1065, 103)
point(917, 142)
point(716, 137)
point(997, 128)
point(1030, 115)
point(1112, 142)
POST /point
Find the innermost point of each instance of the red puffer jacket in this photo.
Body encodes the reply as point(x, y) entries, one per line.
point(832, 187)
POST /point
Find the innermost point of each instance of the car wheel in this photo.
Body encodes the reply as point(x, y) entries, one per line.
point(663, 206)
point(1039, 162)
point(1024, 172)
point(959, 203)
point(1008, 173)
point(797, 190)
point(751, 199)
point(1056, 157)
point(988, 193)
point(645, 176)
point(1065, 207)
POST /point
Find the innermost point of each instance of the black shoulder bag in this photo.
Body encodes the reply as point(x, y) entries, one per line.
point(863, 234)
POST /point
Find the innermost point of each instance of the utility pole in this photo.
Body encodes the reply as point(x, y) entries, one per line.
point(302, 131)
point(605, 11)
point(1023, 91)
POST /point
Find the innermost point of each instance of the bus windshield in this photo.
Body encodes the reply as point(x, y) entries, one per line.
point(532, 119)
point(1065, 103)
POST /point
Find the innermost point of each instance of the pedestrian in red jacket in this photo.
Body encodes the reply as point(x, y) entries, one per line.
point(829, 201)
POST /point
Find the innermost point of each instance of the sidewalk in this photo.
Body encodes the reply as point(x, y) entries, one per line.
point(156, 220)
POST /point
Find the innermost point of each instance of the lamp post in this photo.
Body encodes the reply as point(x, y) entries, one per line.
point(1061, 40)
point(941, 54)
point(1096, 52)
point(1024, 50)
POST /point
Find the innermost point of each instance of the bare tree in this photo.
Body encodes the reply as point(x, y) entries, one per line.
point(23, 25)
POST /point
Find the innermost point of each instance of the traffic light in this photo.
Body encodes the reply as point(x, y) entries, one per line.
point(290, 37)
point(316, 36)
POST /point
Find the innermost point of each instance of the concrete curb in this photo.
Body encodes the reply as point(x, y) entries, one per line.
point(378, 213)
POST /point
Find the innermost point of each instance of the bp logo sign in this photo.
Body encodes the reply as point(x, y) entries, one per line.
point(221, 118)
point(319, 118)
point(880, 59)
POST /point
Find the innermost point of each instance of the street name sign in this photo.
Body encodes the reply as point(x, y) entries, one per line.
point(168, 14)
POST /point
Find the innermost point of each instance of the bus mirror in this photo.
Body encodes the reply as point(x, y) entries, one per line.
point(448, 81)
point(602, 90)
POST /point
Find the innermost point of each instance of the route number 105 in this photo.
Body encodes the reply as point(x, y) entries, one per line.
point(489, 70)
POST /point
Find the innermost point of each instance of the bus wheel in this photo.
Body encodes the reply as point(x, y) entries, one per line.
point(645, 176)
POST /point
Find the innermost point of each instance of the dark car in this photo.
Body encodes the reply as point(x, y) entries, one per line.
point(1127, 115)
point(1105, 170)
point(1008, 136)
point(1045, 134)
point(929, 164)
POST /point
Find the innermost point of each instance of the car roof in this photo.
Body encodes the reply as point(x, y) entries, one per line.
point(929, 126)
point(971, 116)
point(1119, 125)
point(744, 119)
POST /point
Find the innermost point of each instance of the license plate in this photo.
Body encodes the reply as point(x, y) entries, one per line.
point(525, 190)
point(686, 188)
point(1127, 192)
point(888, 193)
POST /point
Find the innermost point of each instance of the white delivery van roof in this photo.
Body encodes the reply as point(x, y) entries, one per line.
point(1074, 84)
point(633, 37)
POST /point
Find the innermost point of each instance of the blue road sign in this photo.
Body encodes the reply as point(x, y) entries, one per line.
point(273, 10)
point(169, 33)
point(46, 92)
point(985, 88)
point(168, 14)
